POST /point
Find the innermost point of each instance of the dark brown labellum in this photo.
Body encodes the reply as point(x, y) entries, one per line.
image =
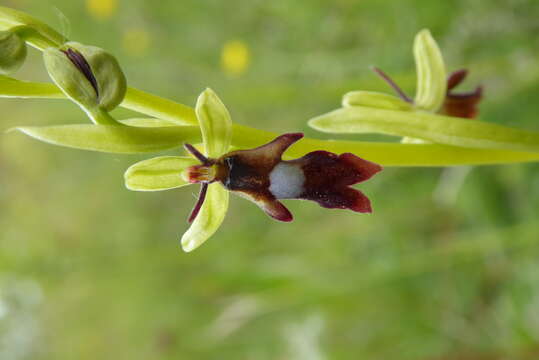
point(261, 176)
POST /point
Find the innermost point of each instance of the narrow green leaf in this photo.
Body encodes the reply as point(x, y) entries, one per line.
point(114, 139)
point(215, 123)
point(436, 128)
point(375, 100)
point(159, 173)
point(431, 75)
point(209, 218)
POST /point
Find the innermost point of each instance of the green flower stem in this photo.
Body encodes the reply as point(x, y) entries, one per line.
point(39, 34)
point(436, 128)
point(387, 154)
point(158, 107)
point(101, 116)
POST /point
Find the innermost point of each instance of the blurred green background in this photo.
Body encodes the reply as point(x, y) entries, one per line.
point(447, 266)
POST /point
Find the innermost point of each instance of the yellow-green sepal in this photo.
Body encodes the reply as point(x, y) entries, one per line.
point(215, 123)
point(431, 73)
point(159, 173)
point(209, 218)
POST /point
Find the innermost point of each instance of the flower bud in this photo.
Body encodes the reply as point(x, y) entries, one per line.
point(12, 52)
point(86, 74)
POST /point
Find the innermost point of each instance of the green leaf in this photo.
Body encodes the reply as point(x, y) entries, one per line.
point(10, 87)
point(159, 173)
point(209, 218)
point(431, 75)
point(375, 100)
point(114, 138)
point(215, 123)
point(147, 122)
point(436, 128)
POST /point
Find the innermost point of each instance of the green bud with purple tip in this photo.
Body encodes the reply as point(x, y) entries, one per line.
point(89, 76)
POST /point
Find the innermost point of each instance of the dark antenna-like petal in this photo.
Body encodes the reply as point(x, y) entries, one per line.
point(203, 159)
point(200, 201)
point(394, 85)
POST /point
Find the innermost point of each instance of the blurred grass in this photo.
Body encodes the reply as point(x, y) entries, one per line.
point(423, 277)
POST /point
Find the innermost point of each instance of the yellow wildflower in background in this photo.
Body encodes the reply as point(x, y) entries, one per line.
point(235, 57)
point(136, 41)
point(101, 9)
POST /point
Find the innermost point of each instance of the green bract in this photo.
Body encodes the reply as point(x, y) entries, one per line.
point(89, 76)
point(12, 52)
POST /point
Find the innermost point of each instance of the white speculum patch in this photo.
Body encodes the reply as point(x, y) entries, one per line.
point(286, 181)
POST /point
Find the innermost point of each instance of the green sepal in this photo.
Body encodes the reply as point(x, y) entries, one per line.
point(215, 123)
point(209, 218)
point(431, 74)
point(159, 173)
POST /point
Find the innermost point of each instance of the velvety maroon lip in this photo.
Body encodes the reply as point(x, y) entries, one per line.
point(319, 176)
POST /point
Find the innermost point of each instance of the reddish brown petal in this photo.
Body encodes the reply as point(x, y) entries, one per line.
point(463, 105)
point(340, 198)
point(249, 169)
point(198, 204)
point(270, 153)
point(455, 78)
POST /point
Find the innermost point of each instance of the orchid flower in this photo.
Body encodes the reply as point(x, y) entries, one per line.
point(258, 174)
point(374, 112)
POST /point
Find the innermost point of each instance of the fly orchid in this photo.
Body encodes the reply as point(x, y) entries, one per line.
point(424, 118)
point(259, 174)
